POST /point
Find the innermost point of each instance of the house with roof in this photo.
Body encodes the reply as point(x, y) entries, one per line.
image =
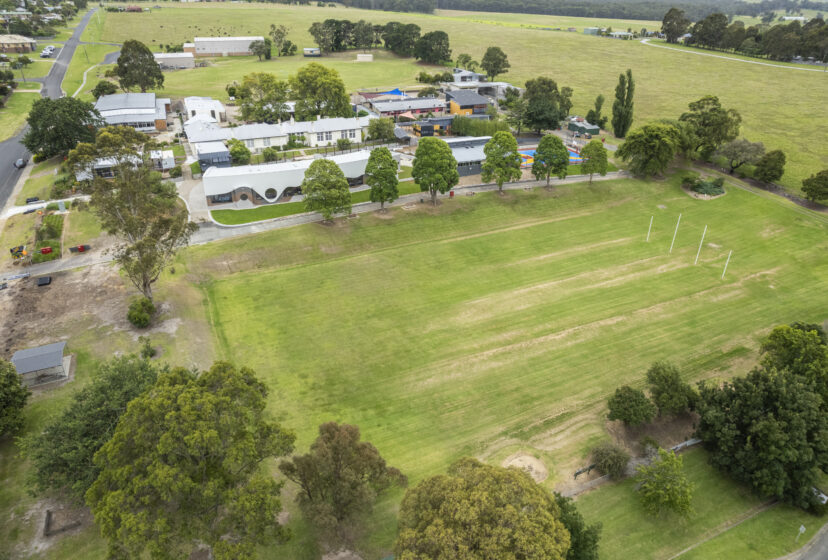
point(175, 60)
point(212, 154)
point(42, 364)
point(265, 184)
point(462, 75)
point(414, 106)
point(141, 111)
point(17, 44)
point(204, 107)
point(466, 102)
point(221, 46)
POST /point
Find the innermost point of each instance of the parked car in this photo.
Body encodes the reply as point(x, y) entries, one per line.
point(21, 163)
point(32, 199)
point(45, 54)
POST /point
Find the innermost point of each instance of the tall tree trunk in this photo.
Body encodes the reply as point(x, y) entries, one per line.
point(434, 197)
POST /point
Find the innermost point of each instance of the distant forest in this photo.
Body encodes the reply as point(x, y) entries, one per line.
point(615, 9)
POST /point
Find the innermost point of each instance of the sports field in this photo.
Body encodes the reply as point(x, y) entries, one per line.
point(776, 103)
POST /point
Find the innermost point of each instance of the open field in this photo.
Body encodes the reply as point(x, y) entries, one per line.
point(85, 57)
point(81, 227)
point(779, 115)
point(37, 69)
point(13, 114)
point(629, 532)
point(36, 185)
point(485, 324)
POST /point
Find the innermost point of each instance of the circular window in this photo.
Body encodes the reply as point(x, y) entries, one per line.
point(243, 197)
point(270, 193)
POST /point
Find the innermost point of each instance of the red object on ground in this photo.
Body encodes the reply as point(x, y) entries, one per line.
point(81, 248)
point(45, 250)
point(451, 194)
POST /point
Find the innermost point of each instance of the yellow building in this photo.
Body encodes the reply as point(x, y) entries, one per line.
point(465, 102)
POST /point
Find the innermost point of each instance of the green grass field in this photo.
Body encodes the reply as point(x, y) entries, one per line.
point(502, 321)
point(79, 64)
point(39, 186)
point(82, 227)
point(13, 114)
point(779, 115)
point(37, 69)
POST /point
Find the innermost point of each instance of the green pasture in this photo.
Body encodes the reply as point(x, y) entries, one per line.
point(37, 69)
point(502, 320)
point(85, 57)
point(776, 103)
point(630, 532)
point(81, 227)
point(13, 114)
point(39, 186)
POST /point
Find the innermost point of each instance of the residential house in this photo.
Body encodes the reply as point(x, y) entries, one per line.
point(266, 183)
point(462, 75)
point(204, 107)
point(141, 111)
point(175, 61)
point(212, 154)
point(17, 44)
point(221, 46)
point(465, 102)
point(468, 151)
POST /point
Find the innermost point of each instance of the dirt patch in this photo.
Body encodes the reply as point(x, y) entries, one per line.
point(384, 214)
point(63, 520)
point(532, 465)
point(41, 315)
point(342, 555)
point(666, 431)
point(699, 196)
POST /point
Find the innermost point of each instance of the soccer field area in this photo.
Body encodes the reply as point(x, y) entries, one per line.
point(776, 103)
point(494, 324)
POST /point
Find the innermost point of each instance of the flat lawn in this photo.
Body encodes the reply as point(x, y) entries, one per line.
point(38, 186)
point(79, 64)
point(13, 114)
point(629, 532)
point(37, 69)
point(29, 86)
point(47, 165)
point(18, 230)
point(497, 321)
point(81, 227)
point(776, 103)
point(771, 534)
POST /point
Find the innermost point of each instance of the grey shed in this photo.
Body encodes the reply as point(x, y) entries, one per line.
point(41, 364)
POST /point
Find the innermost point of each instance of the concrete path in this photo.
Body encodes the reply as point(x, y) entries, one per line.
point(649, 44)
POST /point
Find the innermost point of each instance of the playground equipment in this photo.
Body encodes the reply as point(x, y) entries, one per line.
point(528, 157)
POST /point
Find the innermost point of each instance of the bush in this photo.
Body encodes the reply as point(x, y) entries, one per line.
point(701, 186)
point(50, 228)
point(147, 351)
point(140, 312)
point(465, 126)
point(37, 158)
point(175, 172)
point(52, 206)
point(270, 154)
point(62, 186)
point(610, 459)
point(343, 144)
point(195, 167)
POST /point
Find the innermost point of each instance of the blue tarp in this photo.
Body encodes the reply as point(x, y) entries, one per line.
point(394, 91)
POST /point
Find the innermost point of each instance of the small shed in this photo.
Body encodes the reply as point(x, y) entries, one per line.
point(162, 160)
point(40, 365)
point(583, 127)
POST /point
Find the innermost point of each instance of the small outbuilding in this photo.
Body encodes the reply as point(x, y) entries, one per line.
point(40, 365)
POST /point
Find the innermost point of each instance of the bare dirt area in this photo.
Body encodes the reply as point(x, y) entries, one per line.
point(342, 555)
point(532, 465)
point(35, 315)
point(667, 432)
point(54, 520)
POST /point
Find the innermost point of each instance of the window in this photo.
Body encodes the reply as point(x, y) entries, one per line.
point(329, 135)
point(249, 143)
point(266, 141)
point(352, 133)
point(320, 136)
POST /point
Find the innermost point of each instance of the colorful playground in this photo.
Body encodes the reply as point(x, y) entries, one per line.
point(528, 157)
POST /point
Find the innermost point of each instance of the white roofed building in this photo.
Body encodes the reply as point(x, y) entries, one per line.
point(141, 111)
point(174, 61)
point(221, 46)
point(206, 107)
point(415, 106)
point(265, 184)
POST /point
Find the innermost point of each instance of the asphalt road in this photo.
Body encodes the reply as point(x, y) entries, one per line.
point(12, 150)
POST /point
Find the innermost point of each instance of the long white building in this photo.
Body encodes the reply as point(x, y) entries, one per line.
point(265, 184)
point(221, 46)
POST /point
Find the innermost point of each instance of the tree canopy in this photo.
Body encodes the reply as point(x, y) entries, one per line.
point(104, 87)
point(674, 25)
point(663, 486)
point(583, 538)
point(768, 430)
point(631, 406)
point(58, 125)
point(799, 350)
point(381, 176)
point(594, 115)
point(546, 105)
point(649, 150)
point(770, 166)
point(815, 187)
point(263, 98)
point(262, 48)
point(594, 155)
point(479, 511)
point(494, 62)
point(239, 153)
point(319, 91)
point(610, 459)
point(137, 67)
point(502, 163)
point(551, 158)
point(13, 397)
point(741, 151)
point(710, 124)
point(184, 467)
point(435, 168)
point(669, 393)
point(381, 129)
point(326, 189)
point(62, 454)
point(339, 479)
point(623, 106)
point(433, 47)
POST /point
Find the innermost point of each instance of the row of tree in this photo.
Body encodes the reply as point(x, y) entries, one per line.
point(171, 459)
point(768, 429)
point(336, 35)
point(778, 42)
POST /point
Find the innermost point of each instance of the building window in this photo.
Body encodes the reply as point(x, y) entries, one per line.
point(249, 143)
point(352, 133)
point(320, 137)
point(266, 141)
point(329, 135)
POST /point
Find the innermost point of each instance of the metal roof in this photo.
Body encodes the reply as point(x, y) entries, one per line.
point(126, 101)
point(408, 104)
point(172, 55)
point(211, 148)
point(464, 97)
point(258, 38)
point(41, 357)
